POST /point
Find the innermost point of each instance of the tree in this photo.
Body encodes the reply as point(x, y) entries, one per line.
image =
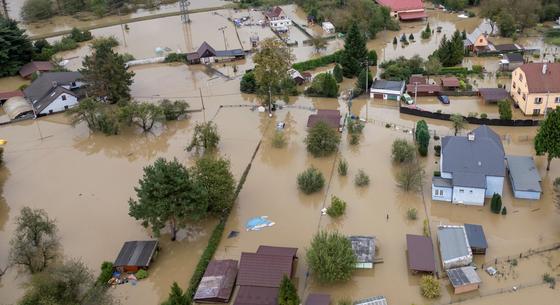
point(172, 110)
point(168, 195)
point(216, 178)
point(355, 52)
point(310, 181)
point(402, 151)
point(176, 296)
point(337, 207)
point(33, 10)
point(248, 83)
point(458, 121)
point(451, 51)
point(410, 177)
point(144, 115)
point(318, 42)
point(106, 75)
point(337, 73)
point(504, 108)
point(205, 137)
point(330, 257)
point(547, 140)
point(422, 137)
point(35, 243)
point(360, 86)
point(322, 140)
point(287, 293)
point(16, 49)
point(506, 24)
point(496, 204)
point(490, 9)
point(429, 286)
point(324, 85)
point(432, 66)
point(372, 58)
point(272, 62)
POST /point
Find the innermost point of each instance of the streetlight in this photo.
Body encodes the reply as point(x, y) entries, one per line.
point(367, 89)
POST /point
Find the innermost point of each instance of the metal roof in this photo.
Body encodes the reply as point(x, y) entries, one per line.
point(218, 281)
point(514, 57)
point(378, 300)
point(382, 84)
point(442, 182)
point(281, 251)
point(474, 180)
point(493, 94)
point(136, 253)
point(254, 295)
point(524, 173)
point(44, 84)
point(463, 276)
point(262, 270)
point(453, 243)
point(475, 236)
point(420, 252)
point(17, 107)
point(364, 248)
point(43, 103)
point(318, 299)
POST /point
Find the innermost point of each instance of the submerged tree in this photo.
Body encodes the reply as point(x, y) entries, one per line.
point(355, 52)
point(458, 121)
point(176, 296)
point(322, 140)
point(547, 140)
point(168, 195)
point(410, 177)
point(205, 137)
point(287, 293)
point(330, 257)
point(215, 177)
point(35, 243)
point(16, 49)
point(402, 151)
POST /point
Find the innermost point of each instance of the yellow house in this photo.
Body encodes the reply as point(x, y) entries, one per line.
point(535, 87)
point(477, 41)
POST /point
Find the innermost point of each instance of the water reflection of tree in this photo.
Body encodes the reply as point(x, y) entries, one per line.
point(278, 157)
point(131, 144)
point(4, 208)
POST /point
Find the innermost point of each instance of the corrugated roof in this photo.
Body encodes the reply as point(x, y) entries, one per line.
point(514, 57)
point(136, 253)
point(463, 276)
point(263, 270)
point(35, 66)
point(537, 82)
point(364, 248)
point(524, 173)
point(378, 300)
point(281, 251)
point(254, 295)
point(508, 47)
point(6, 95)
point(417, 78)
point(423, 88)
point(218, 281)
point(493, 94)
point(402, 5)
point(318, 299)
point(475, 236)
point(450, 81)
point(453, 243)
point(412, 15)
point(17, 107)
point(420, 253)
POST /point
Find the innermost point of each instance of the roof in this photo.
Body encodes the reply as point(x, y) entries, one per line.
point(476, 237)
point(275, 12)
point(473, 36)
point(484, 155)
point(463, 276)
point(382, 84)
point(46, 81)
point(35, 66)
point(417, 78)
point(474, 180)
point(218, 281)
point(514, 57)
point(281, 251)
point(493, 94)
point(6, 95)
point(43, 103)
point(17, 107)
point(378, 300)
point(538, 82)
point(442, 182)
point(254, 295)
point(330, 117)
point(451, 81)
point(205, 48)
point(524, 173)
point(453, 243)
point(229, 53)
point(412, 15)
point(508, 47)
point(364, 248)
point(402, 5)
point(420, 253)
point(318, 299)
point(263, 270)
point(423, 88)
point(136, 253)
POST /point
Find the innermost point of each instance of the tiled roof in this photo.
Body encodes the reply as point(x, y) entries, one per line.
point(539, 82)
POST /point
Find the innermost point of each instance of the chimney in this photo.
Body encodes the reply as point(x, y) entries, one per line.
point(470, 136)
point(544, 67)
point(54, 84)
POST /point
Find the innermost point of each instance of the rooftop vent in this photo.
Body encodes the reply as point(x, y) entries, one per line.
point(470, 136)
point(544, 68)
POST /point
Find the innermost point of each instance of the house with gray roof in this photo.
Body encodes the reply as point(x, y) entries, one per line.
point(454, 247)
point(524, 176)
point(387, 89)
point(53, 92)
point(472, 168)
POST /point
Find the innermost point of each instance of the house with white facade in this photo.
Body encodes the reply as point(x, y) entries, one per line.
point(277, 19)
point(53, 92)
point(472, 168)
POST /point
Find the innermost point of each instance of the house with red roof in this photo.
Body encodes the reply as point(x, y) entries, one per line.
point(405, 10)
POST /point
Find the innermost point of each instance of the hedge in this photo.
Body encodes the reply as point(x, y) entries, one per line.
point(317, 62)
point(476, 69)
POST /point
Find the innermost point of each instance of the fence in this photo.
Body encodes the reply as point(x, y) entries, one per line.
point(472, 120)
point(526, 254)
point(461, 299)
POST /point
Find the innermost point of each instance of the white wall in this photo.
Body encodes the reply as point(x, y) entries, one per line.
point(446, 196)
point(468, 196)
point(280, 23)
point(59, 104)
point(494, 185)
point(527, 195)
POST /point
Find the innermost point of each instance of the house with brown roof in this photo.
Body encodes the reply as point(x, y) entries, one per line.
point(207, 54)
point(450, 83)
point(535, 87)
point(420, 253)
point(330, 117)
point(218, 282)
point(35, 67)
point(405, 10)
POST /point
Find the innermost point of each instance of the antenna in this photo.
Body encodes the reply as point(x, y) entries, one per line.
point(184, 7)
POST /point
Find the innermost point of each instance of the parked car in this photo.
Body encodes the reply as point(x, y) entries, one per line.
point(444, 99)
point(407, 99)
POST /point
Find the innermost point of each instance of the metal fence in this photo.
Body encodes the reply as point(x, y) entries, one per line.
point(525, 254)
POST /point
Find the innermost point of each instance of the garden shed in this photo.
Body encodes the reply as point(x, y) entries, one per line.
point(493, 95)
point(330, 117)
point(420, 253)
point(136, 255)
point(454, 247)
point(364, 249)
point(378, 300)
point(218, 282)
point(476, 238)
point(463, 279)
point(524, 176)
point(450, 83)
point(17, 107)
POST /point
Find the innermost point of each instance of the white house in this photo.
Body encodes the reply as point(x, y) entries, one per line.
point(387, 89)
point(53, 92)
point(472, 168)
point(277, 19)
point(328, 27)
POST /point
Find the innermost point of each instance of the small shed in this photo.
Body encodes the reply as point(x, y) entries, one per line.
point(450, 83)
point(464, 279)
point(524, 176)
point(35, 67)
point(4, 96)
point(417, 79)
point(328, 27)
point(218, 282)
point(330, 117)
point(493, 95)
point(420, 253)
point(378, 300)
point(454, 247)
point(17, 107)
point(387, 89)
point(364, 249)
point(318, 299)
point(476, 238)
point(509, 47)
point(296, 76)
point(511, 61)
point(423, 89)
point(136, 255)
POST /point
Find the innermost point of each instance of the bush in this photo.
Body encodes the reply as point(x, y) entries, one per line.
point(317, 62)
point(504, 211)
point(437, 174)
point(99, 42)
point(64, 44)
point(342, 167)
point(426, 228)
point(175, 57)
point(504, 109)
point(173, 110)
point(322, 140)
point(248, 83)
point(108, 123)
point(310, 181)
point(105, 275)
point(483, 116)
point(411, 37)
point(361, 179)
point(412, 213)
point(436, 138)
point(429, 286)
point(549, 279)
point(372, 58)
point(402, 151)
point(422, 136)
point(80, 36)
point(278, 140)
point(477, 69)
point(345, 301)
point(337, 208)
point(496, 204)
point(355, 126)
point(323, 85)
point(437, 149)
point(33, 10)
point(410, 177)
point(330, 257)
point(141, 274)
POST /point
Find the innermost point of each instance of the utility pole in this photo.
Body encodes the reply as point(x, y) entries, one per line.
point(415, 91)
point(203, 108)
point(269, 102)
point(224, 34)
point(184, 7)
point(367, 89)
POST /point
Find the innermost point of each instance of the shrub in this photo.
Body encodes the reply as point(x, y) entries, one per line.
point(324, 85)
point(173, 110)
point(412, 214)
point(322, 140)
point(355, 126)
point(106, 274)
point(429, 286)
point(426, 228)
point(248, 83)
point(33, 10)
point(496, 203)
point(422, 136)
point(394, 40)
point(317, 62)
point(556, 184)
point(287, 293)
point(411, 36)
point(342, 167)
point(345, 301)
point(361, 179)
point(175, 57)
point(278, 140)
point(504, 211)
point(372, 58)
point(437, 149)
point(477, 69)
point(437, 174)
point(108, 123)
point(80, 36)
point(549, 279)
point(354, 139)
point(426, 35)
point(110, 42)
point(436, 138)
point(504, 109)
point(337, 73)
point(472, 114)
point(402, 151)
point(330, 257)
point(310, 181)
point(141, 274)
point(337, 208)
point(483, 116)
point(387, 125)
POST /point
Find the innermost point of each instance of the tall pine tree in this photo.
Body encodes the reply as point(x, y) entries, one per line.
point(355, 52)
point(176, 296)
point(288, 293)
point(15, 48)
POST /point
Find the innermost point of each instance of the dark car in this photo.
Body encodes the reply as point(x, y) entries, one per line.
point(444, 99)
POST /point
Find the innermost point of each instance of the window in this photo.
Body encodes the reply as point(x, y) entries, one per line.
point(64, 96)
point(514, 86)
point(557, 100)
point(438, 192)
point(518, 90)
point(536, 111)
point(524, 97)
point(538, 100)
point(470, 191)
point(520, 77)
point(461, 191)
